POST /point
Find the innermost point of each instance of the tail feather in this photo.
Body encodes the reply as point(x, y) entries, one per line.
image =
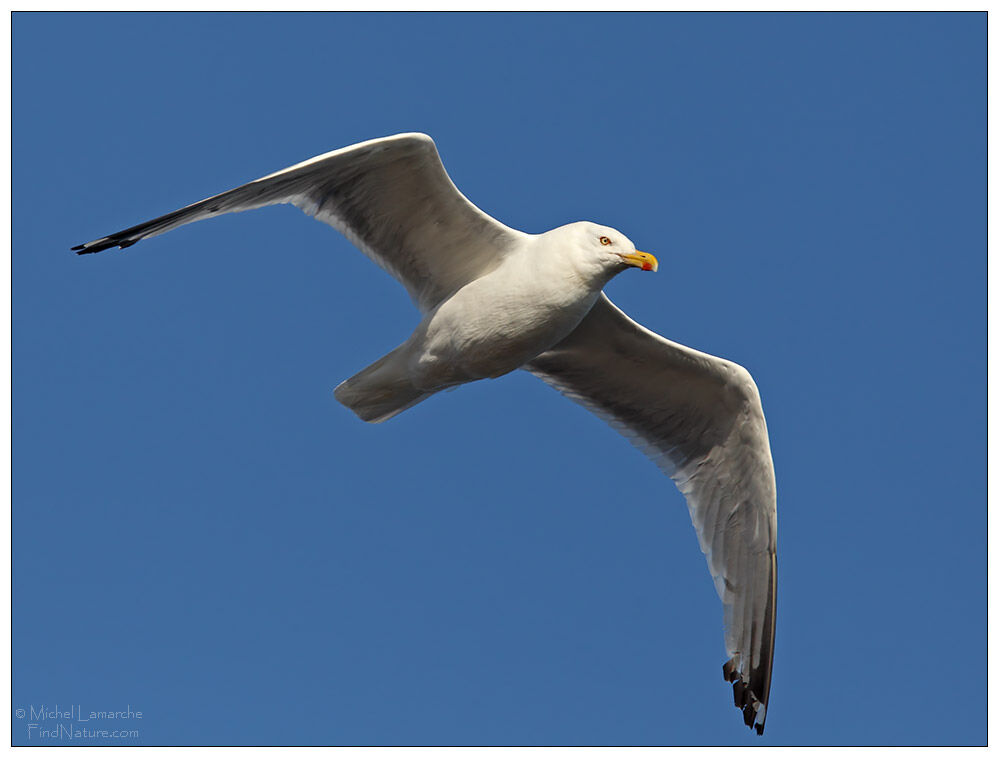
point(382, 390)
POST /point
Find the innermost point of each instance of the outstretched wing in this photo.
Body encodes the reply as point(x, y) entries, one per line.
point(700, 419)
point(391, 197)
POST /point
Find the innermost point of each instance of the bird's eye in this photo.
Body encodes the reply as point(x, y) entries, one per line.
point(605, 240)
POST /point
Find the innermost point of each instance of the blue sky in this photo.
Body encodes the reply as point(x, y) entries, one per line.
point(203, 534)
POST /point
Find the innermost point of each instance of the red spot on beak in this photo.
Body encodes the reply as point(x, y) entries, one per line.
point(646, 266)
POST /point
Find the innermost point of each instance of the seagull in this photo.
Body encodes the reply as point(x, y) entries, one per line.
point(494, 299)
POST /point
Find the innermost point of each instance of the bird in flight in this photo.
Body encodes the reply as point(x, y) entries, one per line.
point(494, 299)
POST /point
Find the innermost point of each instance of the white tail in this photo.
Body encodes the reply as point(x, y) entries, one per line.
point(381, 390)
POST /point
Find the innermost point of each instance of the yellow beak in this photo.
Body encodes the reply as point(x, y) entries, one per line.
point(644, 261)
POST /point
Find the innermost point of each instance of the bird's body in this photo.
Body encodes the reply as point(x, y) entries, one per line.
point(494, 300)
point(491, 326)
point(500, 321)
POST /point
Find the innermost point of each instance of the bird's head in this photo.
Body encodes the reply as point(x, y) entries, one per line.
point(607, 249)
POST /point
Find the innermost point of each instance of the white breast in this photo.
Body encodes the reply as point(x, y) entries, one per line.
point(500, 321)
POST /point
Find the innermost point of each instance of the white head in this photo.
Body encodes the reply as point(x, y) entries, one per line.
point(602, 252)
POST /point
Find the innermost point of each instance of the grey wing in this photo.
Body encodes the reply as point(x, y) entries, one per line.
point(391, 197)
point(700, 419)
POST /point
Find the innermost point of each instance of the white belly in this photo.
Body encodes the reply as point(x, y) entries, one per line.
point(494, 325)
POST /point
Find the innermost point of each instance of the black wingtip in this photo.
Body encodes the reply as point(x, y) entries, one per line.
point(103, 244)
point(745, 699)
point(748, 715)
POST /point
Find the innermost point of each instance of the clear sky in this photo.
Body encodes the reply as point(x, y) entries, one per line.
point(202, 534)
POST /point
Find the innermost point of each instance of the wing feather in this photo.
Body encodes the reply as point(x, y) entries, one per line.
point(700, 419)
point(391, 197)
